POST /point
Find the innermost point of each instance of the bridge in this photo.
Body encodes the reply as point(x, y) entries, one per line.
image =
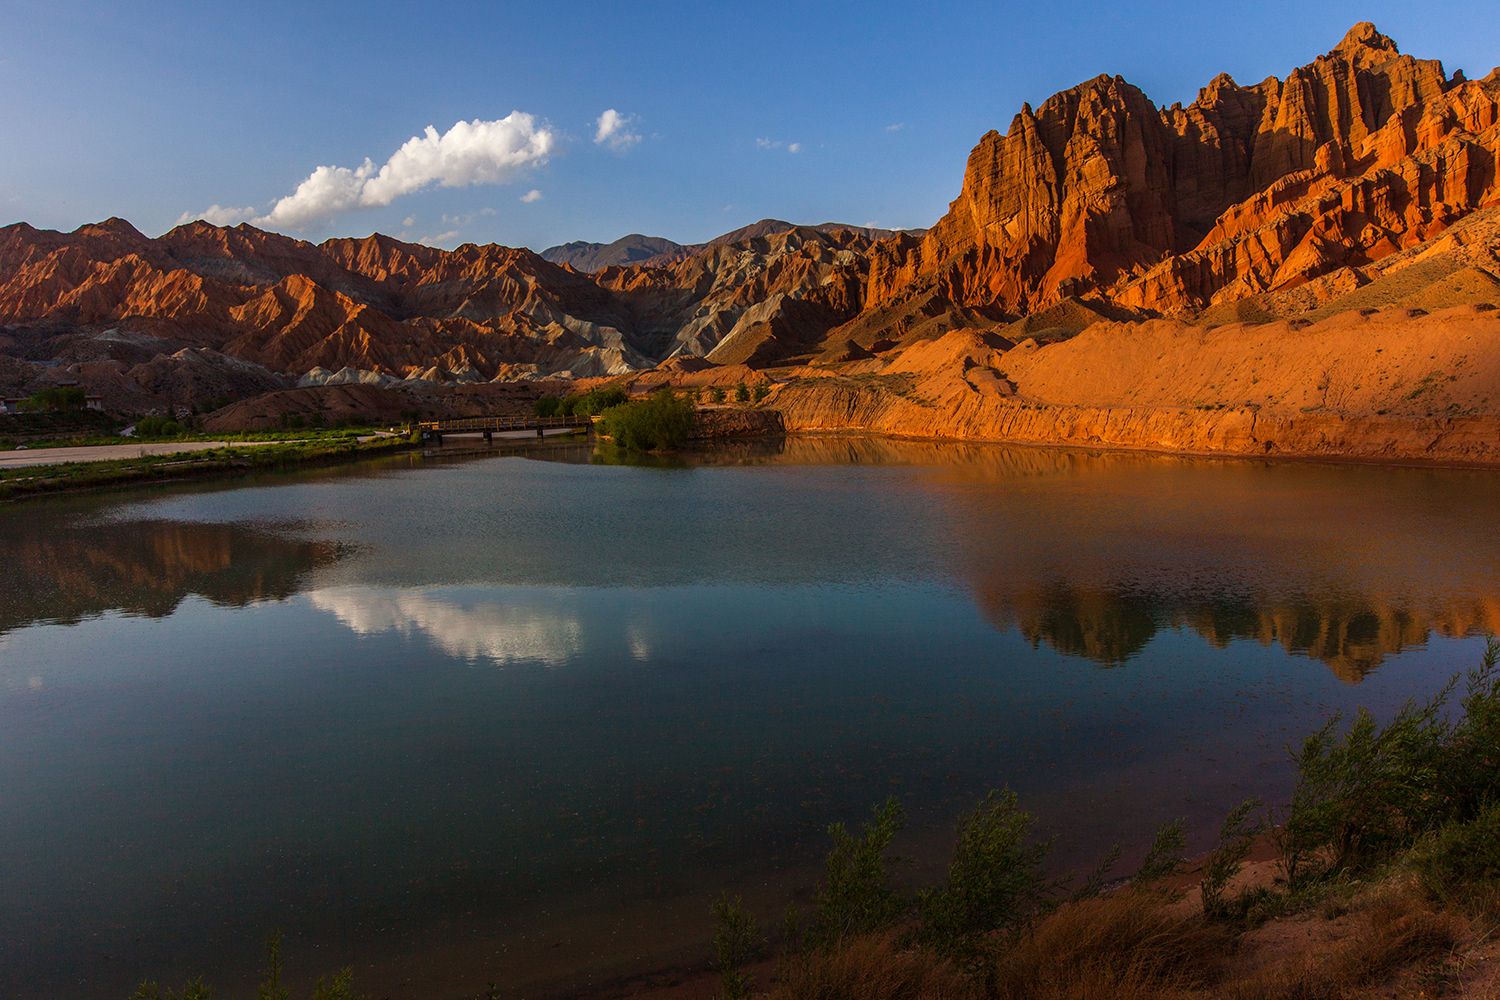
point(433, 430)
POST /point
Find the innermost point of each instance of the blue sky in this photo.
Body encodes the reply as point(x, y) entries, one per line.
point(150, 111)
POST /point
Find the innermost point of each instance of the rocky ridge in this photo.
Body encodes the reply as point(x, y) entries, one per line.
point(1101, 195)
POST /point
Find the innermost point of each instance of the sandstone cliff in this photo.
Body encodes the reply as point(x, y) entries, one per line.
point(1249, 190)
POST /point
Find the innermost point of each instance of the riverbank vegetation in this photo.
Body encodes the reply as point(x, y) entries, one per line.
point(1390, 844)
point(656, 424)
point(88, 428)
point(586, 404)
point(42, 480)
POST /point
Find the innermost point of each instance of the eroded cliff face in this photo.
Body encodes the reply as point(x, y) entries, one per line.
point(379, 309)
point(1393, 385)
point(751, 302)
point(1250, 189)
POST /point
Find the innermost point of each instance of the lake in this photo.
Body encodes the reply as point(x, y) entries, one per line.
point(520, 716)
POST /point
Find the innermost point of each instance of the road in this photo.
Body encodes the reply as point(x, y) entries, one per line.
point(105, 452)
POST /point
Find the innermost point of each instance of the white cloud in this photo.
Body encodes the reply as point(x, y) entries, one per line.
point(477, 152)
point(409, 221)
point(896, 127)
point(440, 238)
point(767, 144)
point(795, 147)
point(531, 196)
point(614, 131)
point(217, 215)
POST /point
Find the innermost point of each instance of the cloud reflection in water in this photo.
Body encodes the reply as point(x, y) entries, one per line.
point(545, 629)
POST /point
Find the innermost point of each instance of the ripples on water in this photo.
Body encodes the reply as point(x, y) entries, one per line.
point(497, 718)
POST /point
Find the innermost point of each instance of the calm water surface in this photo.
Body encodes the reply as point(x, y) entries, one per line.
point(453, 721)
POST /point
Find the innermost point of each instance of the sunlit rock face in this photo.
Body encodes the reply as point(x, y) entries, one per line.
point(1098, 193)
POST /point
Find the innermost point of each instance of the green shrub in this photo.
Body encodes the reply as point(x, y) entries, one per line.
point(593, 402)
point(57, 398)
point(656, 424)
point(547, 406)
point(1461, 855)
point(717, 394)
point(1371, 792)
point(762, 391)
point(736, 943)
point(157, 427)
point(1164, 859)
point(741, 394)
point(1094, 883)
point(994, 883)
point(1471, 763)
point(340, 987)
point(1225, 860)
point(1378, 789)
point(270, 984)
point(857, 897)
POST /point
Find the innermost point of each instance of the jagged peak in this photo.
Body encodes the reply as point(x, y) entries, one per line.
point(1364, 36)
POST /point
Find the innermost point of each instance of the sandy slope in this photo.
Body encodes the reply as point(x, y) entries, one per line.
point(1394, 384)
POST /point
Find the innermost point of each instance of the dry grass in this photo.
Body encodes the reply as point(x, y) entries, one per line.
point(1120, 947)
point(1124, 947)
point(1127, 946)
point(873, 967)
point(1394, 929)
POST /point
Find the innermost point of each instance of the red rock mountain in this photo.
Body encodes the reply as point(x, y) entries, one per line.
point(1102, 195)
point(1254, 203)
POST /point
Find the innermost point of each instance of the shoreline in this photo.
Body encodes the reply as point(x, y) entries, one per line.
point(228, 460)
point(1276, 458)
point(39, 481)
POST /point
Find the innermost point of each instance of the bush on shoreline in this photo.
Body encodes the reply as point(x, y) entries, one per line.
point(657, 424)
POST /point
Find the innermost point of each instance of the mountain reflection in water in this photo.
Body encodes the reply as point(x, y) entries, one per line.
point(1029, 540)
point(69, 572)
point(1314, 562)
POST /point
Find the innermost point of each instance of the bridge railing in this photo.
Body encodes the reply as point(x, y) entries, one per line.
point(507, 423)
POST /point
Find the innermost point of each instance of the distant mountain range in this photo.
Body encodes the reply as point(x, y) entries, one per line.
point(650, 250)
point(632, 249)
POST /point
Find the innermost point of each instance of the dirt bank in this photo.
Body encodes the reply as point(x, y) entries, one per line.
point(1396, 385)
